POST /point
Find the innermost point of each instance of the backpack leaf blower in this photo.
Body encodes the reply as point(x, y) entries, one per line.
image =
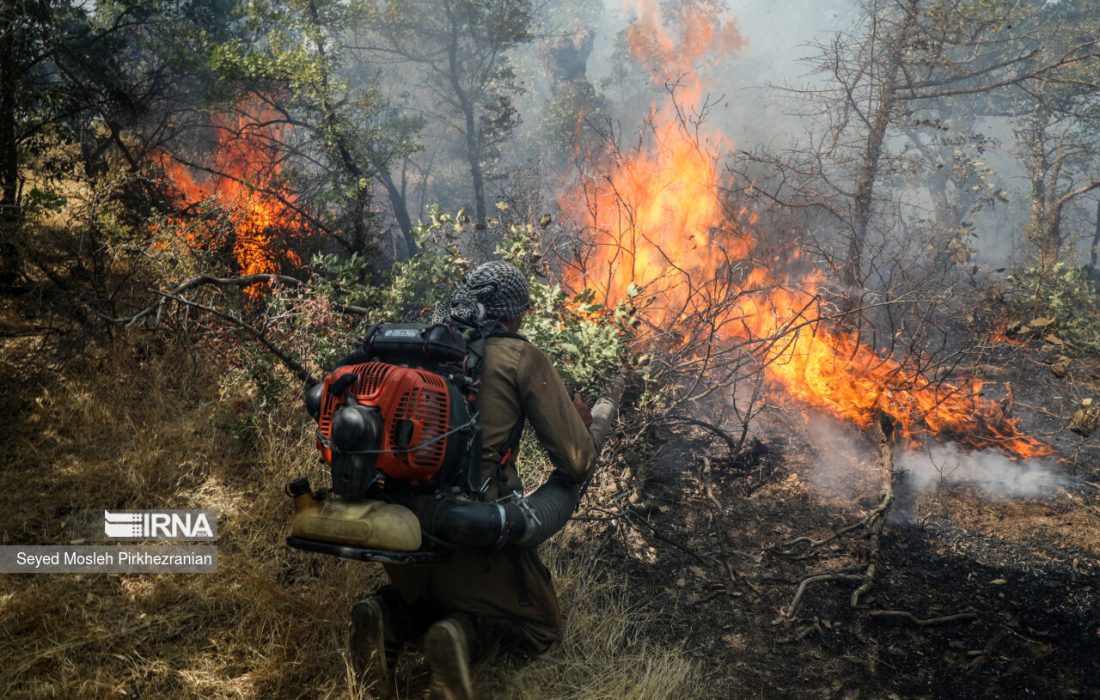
point(397, 424)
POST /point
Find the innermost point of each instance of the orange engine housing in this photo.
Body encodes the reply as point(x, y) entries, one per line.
point(404, 396)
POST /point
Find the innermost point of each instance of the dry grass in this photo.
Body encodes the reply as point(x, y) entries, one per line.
point(138, 427)
point(605, 653)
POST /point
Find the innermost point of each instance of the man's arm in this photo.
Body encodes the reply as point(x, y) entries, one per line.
point(554, 416)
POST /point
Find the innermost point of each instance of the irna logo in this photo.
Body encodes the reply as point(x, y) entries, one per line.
point(159, 524)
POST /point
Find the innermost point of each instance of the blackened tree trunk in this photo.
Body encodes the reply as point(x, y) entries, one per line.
point(473, 154)
point(10, 214)
point(400, 209)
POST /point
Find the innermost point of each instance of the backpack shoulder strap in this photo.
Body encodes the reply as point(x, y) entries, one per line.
point(475, 346)
point(501, 333)
point(475, 364)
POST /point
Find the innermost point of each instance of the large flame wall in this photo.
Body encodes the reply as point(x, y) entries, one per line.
point(660, 235)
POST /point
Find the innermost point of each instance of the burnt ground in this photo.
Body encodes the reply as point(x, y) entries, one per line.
point(1022, 577)
point(974, 597)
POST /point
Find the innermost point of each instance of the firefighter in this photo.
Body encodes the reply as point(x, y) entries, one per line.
point(481, 599)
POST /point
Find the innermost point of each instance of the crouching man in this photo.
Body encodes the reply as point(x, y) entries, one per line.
point(481, 599)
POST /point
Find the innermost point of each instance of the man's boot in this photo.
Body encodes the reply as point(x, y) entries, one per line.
point(448, 647)
point(368, 644)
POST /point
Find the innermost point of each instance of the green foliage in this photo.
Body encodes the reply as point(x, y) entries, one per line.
point(1065, 294)
point(564, 121)
point(579, 338)
point(409, 289)
point(585, 341)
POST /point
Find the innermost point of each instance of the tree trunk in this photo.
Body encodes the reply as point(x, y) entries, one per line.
point(1051, 241)
point(865, 186)
point(400, 210)
point(10, 214)
point(1095, 251)
point(1038, 229)
point(473, 153)
point(872, 155)
point(473, 145)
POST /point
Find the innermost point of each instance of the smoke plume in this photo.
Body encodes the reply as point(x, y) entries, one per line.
point(994, 474)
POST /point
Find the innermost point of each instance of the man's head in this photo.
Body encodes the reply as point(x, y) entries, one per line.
point(492, 291)
point(501, 288)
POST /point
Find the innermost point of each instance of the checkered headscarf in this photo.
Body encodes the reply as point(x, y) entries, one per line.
point(492, 291)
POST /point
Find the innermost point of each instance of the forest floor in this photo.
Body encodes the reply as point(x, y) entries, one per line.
point(683, 592)
point(987, 598)
point(975, 595)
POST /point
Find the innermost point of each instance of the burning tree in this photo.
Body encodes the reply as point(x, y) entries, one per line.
point(245, 182)
point(662, 239)
point(731, 312)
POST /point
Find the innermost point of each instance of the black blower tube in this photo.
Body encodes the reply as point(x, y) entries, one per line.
point(477, 524)
point(553, 503)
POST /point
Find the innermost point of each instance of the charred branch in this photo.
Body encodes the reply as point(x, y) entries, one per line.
point(720, 529)
point(709, 427)
point(875, 522)
point(288, 361)
point(883, 430)
point(904, 616)
point(202, 280)
point(804, 584)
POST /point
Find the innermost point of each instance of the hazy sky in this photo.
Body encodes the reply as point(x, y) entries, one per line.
point(778, 35)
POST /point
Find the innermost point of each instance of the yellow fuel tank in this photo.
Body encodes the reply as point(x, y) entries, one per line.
point(367, 524)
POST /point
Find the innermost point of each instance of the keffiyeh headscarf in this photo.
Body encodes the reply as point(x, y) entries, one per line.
point(492, 291)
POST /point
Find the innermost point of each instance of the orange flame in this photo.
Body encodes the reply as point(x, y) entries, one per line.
point(1000, 336)
point(703, 39)
point(244, 181)
point(661, 237)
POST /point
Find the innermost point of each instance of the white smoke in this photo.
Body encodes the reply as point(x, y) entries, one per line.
point(992, 473)
point(845, 465)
